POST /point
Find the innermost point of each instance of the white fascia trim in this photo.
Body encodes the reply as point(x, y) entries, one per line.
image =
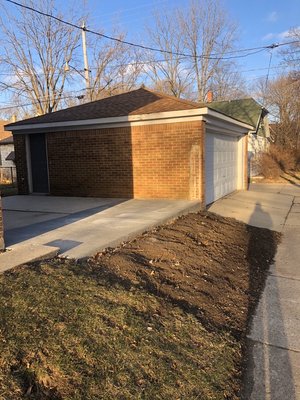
point(131, 120)
point(127, 120)
point(228, 119)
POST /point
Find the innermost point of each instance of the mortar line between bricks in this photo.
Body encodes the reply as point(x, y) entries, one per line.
point(285, 277)
point(273, 345)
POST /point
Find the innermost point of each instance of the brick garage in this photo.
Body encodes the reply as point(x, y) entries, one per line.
point(140, 144)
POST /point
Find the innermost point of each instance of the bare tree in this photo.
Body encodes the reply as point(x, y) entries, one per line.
point(35, 49)
point(227, 83)
point(282, 98)
point(115, 67)
point(291, 53)
point(209, 34)
point(168, 74)
point(205, 33)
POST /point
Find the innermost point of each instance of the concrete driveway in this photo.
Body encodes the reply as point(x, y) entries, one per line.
point(36, 226)
point(274, 340)
point(272, 206)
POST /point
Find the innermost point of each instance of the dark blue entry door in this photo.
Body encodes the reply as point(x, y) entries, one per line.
point(39, 165)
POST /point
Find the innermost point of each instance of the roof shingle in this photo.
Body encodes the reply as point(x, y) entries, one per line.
point(7, 140)
point(140, 101)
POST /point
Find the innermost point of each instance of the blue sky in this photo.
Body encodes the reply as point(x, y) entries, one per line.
point(260, 22)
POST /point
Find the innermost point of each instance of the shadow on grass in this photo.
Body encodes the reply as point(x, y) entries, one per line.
point(261, 250)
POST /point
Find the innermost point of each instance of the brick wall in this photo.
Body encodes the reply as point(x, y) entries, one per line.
point(91, 163)
point(164, 158)
point(21, 163)
point(1, 227)
point(152, 161)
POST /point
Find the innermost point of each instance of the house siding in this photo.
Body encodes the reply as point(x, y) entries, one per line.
point(5, 150)
point(21, 163)
point(1, 227)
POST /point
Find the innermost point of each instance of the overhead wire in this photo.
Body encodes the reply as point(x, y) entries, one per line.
point(245, 52)
point(215, 56)
point(38, 102)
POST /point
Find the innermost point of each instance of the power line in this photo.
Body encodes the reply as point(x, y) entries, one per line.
point(250, 51)
point(38, 102)
point(278, 66)
point(16, 91)
point(74, 96)
point(156, 62)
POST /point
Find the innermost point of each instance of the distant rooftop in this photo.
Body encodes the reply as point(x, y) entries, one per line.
point(246, 110)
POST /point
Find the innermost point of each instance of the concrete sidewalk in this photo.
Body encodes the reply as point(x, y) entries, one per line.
point(274, 341)
point(78, 227)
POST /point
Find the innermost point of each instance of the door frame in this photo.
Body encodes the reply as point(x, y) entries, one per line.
point(240, 157)
point(29, 167)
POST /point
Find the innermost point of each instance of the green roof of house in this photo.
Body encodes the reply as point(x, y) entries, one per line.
point(246, 110)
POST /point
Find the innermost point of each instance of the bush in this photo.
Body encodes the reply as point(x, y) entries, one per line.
point(285, 158)
point(277, 160)
point(298, 161)
point(268, 166)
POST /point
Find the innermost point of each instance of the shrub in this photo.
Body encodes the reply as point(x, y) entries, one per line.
point(285, 158)
point(298, 161)
point(268, 166)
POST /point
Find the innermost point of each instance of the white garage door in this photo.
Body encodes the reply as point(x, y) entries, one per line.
point(221, 165)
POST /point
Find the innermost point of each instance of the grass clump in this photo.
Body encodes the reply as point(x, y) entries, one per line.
point(66, 335)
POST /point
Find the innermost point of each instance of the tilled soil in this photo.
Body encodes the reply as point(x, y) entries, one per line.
point(211, 266)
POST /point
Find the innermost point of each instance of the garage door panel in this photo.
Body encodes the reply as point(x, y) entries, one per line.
point(221, 165)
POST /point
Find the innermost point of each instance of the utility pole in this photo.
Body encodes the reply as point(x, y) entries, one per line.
point(86, 64)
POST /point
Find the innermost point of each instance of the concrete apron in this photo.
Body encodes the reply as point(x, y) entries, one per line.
point(274, 341)
point(39, 227)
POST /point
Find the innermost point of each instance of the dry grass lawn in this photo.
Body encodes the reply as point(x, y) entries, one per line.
point(93, 331)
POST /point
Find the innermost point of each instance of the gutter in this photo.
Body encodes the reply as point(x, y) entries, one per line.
point(131, 120)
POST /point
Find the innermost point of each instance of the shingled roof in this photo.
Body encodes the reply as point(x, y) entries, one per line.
point(246, 110)
point(7, 140)
point(136, 102)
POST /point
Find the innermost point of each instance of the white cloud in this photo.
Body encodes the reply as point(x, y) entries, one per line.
point(281, 35)
point(269, 36)
point(285, 35)
point(272, 16)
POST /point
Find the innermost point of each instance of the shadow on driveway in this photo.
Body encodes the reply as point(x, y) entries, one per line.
point(22, 223)
point(80, 227)
point(269, 374)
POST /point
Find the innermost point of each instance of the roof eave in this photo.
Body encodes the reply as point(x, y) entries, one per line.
point(131, 120)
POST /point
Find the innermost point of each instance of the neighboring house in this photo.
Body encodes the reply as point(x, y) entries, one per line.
point(3, 133)
point(7, 155)
point(140, 144)
point(251, 112)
